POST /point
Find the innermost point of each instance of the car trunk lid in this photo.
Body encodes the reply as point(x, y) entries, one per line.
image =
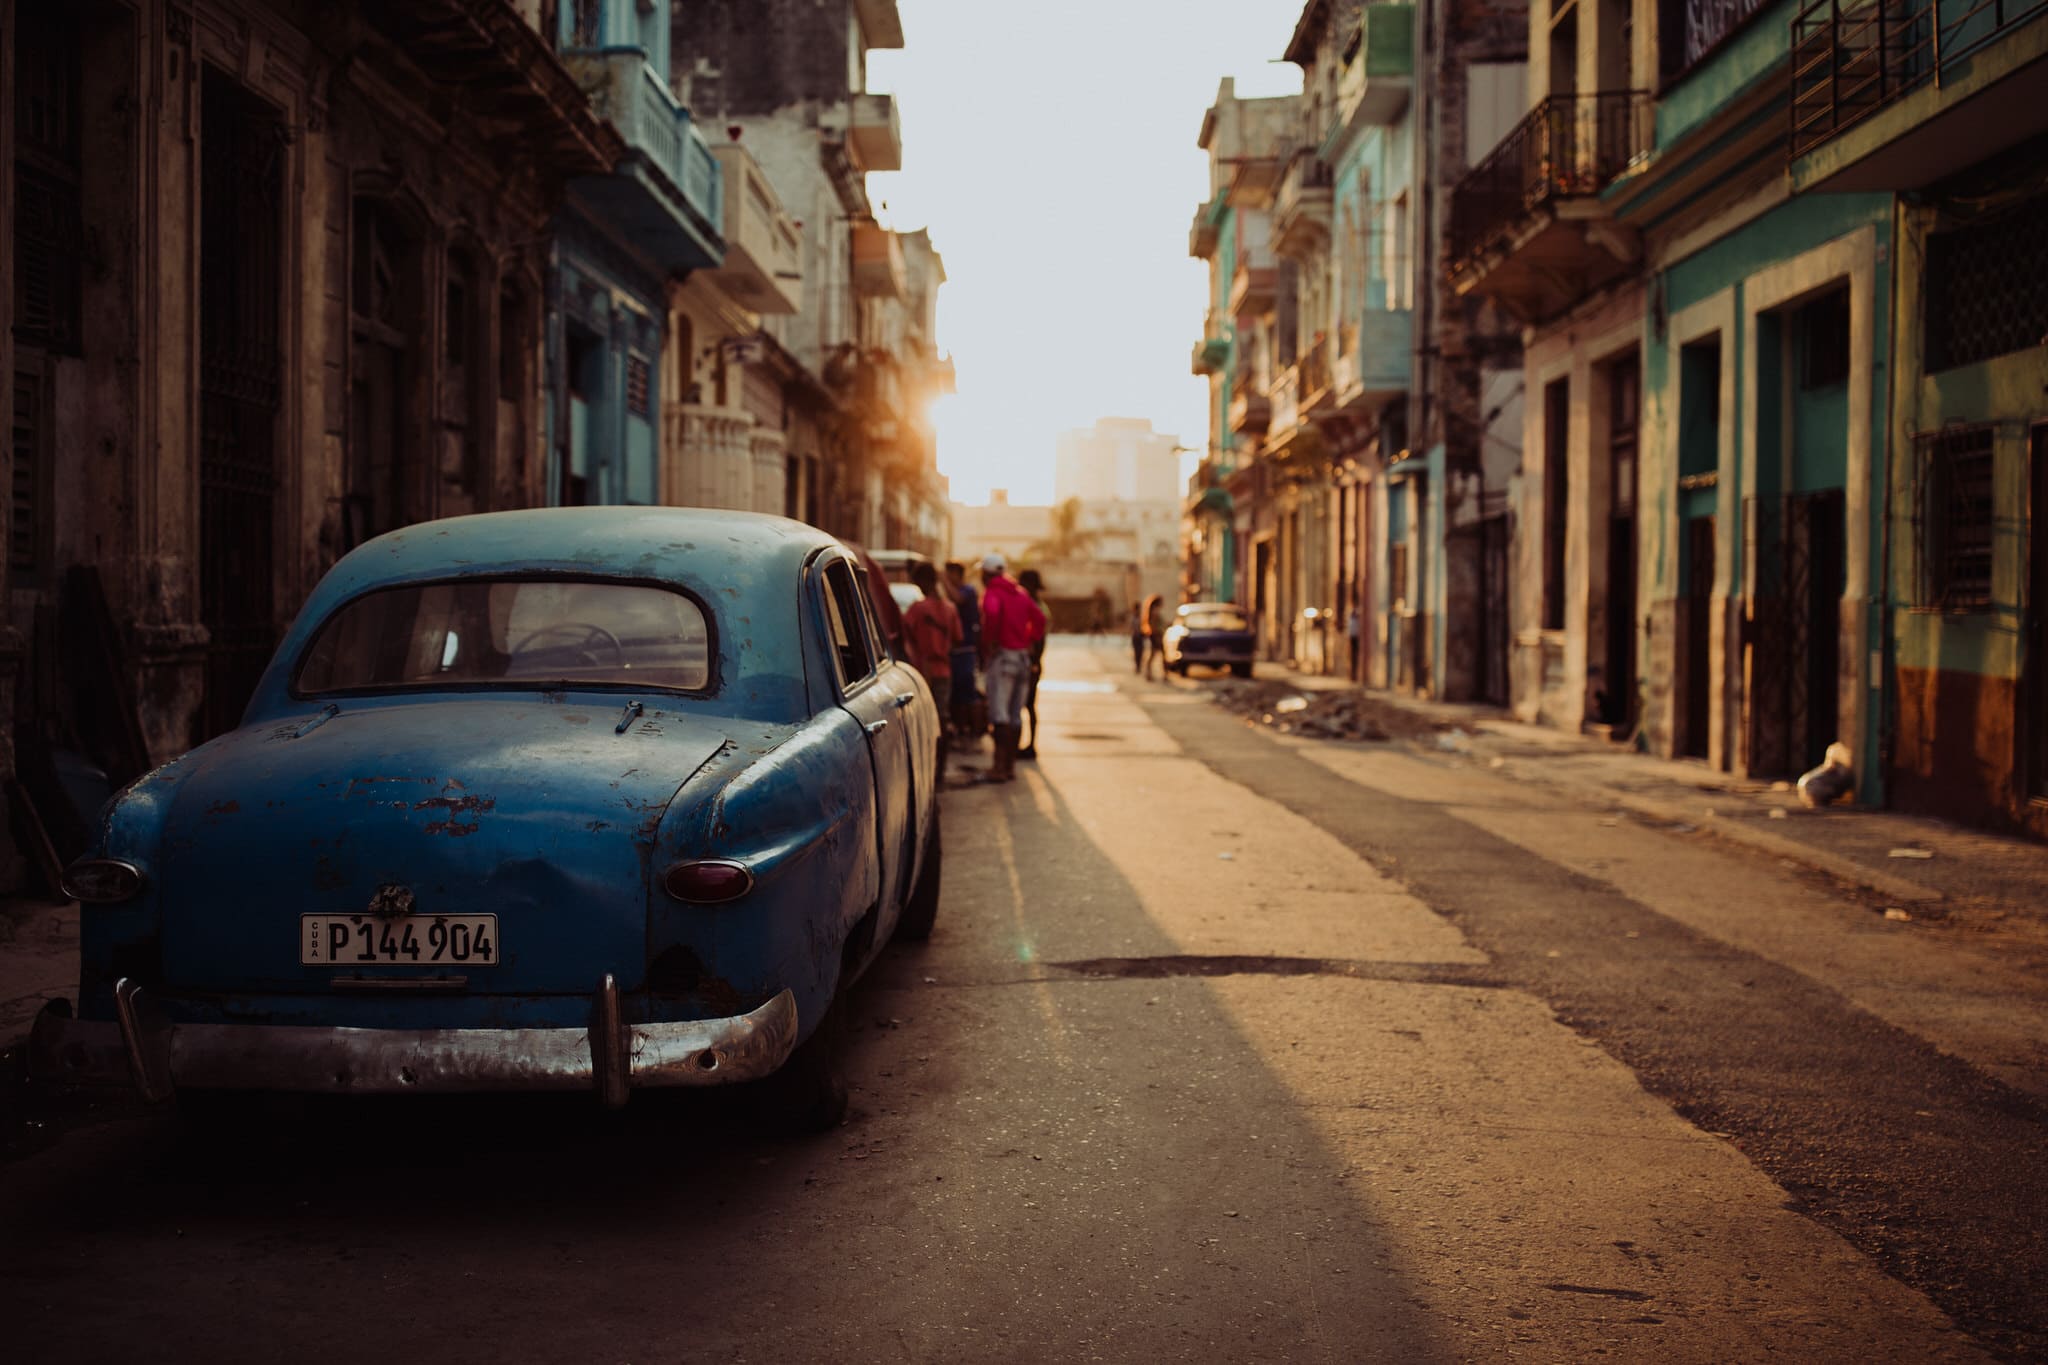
point(538, 812)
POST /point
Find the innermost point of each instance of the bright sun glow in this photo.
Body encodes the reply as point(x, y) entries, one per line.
point(1061, 205)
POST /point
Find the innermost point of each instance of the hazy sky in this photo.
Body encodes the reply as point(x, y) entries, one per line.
point(1050, 148)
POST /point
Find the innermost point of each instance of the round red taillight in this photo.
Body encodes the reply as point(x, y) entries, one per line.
point(710, 881)
point(101, 881)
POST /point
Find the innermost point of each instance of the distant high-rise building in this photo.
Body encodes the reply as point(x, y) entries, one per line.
point(1118, 459)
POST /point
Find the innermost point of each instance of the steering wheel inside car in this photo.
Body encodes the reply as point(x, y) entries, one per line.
point(581, 645)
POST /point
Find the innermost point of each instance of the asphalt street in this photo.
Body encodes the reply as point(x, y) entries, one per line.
point(1227, 1047)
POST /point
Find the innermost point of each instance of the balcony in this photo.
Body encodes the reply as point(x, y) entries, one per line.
point(1374, 356)
point(1527, 227)
point(1210, 355)
point(874, 137)
point(1250, 411)
point(878, 269)
point(880, 26)
point(1202, 233)
point(1301, 210)
point(706, 455)
point(763, 269)
point(1378, 71)
point(666, 195)
point(1254, 180)
point(1883, 93)
point(1316, 377)
point(1253, 287)
point(1286, 402)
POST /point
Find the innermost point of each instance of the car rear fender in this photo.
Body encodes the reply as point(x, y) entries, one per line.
point(800, 816)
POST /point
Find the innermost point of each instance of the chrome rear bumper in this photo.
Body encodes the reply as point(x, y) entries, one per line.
point(142, 1049)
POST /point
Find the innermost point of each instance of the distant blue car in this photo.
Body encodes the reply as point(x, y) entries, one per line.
point(1214, 633)
point(589, 798)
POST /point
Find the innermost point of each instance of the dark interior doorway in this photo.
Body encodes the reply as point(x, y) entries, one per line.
point(2034, 731)
point(1697, 636)
point(241, 200)
point(1618, 698)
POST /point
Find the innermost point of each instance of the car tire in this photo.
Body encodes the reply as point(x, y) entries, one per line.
point(808, 1094)
point(915, 924)
point(1241, 670)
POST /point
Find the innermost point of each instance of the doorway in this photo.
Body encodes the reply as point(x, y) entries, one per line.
point(384, 357)
point(2034, 732)
point(241, 201)
point(1616, 700)
point(1697, 637)
point(1795, 660)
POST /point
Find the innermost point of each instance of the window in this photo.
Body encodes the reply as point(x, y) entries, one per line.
point(1987, 287)
point(849, 632)
point(1954, 509)
point(638, 400)
point(29, 521)
point(1824, 341)
point(1400, 288)
point(1699, 412)
point(514, 633)
point(48, 216)
point(1557, 491)
point(512, 342)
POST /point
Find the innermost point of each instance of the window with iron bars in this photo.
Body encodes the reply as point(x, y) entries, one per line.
point(1955, 517)
point(48, 220)
point(1987, 287)
point(638, 397)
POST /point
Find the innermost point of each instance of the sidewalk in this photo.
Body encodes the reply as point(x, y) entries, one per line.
point(1986, 876)
point(38, 962)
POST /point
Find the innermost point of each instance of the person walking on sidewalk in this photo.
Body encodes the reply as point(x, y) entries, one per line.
point(1137, 638)
point(1034, 587)
point(1010, 624)
point(1155, 635)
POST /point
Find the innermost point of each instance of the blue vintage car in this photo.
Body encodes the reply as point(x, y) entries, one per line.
point(588, 798)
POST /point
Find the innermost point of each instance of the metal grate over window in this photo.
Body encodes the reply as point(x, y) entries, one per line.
point(1987, 287)
point(1955, 515)
point(637, 395)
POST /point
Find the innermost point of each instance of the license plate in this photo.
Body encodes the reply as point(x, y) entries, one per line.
point(349, 940)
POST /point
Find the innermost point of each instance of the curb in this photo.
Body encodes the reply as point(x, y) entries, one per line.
point(1820, 860)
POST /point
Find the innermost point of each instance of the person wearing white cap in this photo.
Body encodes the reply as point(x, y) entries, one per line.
point(1010, 624)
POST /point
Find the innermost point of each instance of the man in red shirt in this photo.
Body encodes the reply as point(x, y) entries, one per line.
point(1011, 623)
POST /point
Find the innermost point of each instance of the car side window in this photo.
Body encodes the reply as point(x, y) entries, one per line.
point(878, 645)
point(849, 631)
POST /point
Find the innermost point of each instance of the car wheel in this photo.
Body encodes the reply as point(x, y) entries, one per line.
point(1241, 670)
point(808, 1095)
point(915, 924)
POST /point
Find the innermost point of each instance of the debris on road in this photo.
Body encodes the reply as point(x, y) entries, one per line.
point(1921, 853)
point(1344, 714)
point(1893, 912)
point(1830, 781)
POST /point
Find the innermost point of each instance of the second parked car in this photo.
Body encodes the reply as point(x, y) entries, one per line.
point(1217, 634)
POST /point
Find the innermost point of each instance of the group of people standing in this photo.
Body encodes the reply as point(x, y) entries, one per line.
point(953, 631)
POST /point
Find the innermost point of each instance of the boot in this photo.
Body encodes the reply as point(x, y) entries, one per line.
point(1004, 769)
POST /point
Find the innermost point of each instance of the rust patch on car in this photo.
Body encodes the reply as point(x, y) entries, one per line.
point(456, 807)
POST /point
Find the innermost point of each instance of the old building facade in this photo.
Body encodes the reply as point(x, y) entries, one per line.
point(1781, 433)
point(1365, 415)
point(291, 299)
point(829, 398)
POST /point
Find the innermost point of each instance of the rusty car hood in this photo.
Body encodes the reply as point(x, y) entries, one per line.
point(541, 810)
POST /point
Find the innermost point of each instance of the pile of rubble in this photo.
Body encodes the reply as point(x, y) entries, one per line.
point(1345, 714)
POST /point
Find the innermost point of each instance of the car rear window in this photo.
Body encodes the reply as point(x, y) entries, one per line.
point(1216, 618)
point(516, 632)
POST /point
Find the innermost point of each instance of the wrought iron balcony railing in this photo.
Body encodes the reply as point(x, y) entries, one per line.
point(1851, 59)
point(1568, 146)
